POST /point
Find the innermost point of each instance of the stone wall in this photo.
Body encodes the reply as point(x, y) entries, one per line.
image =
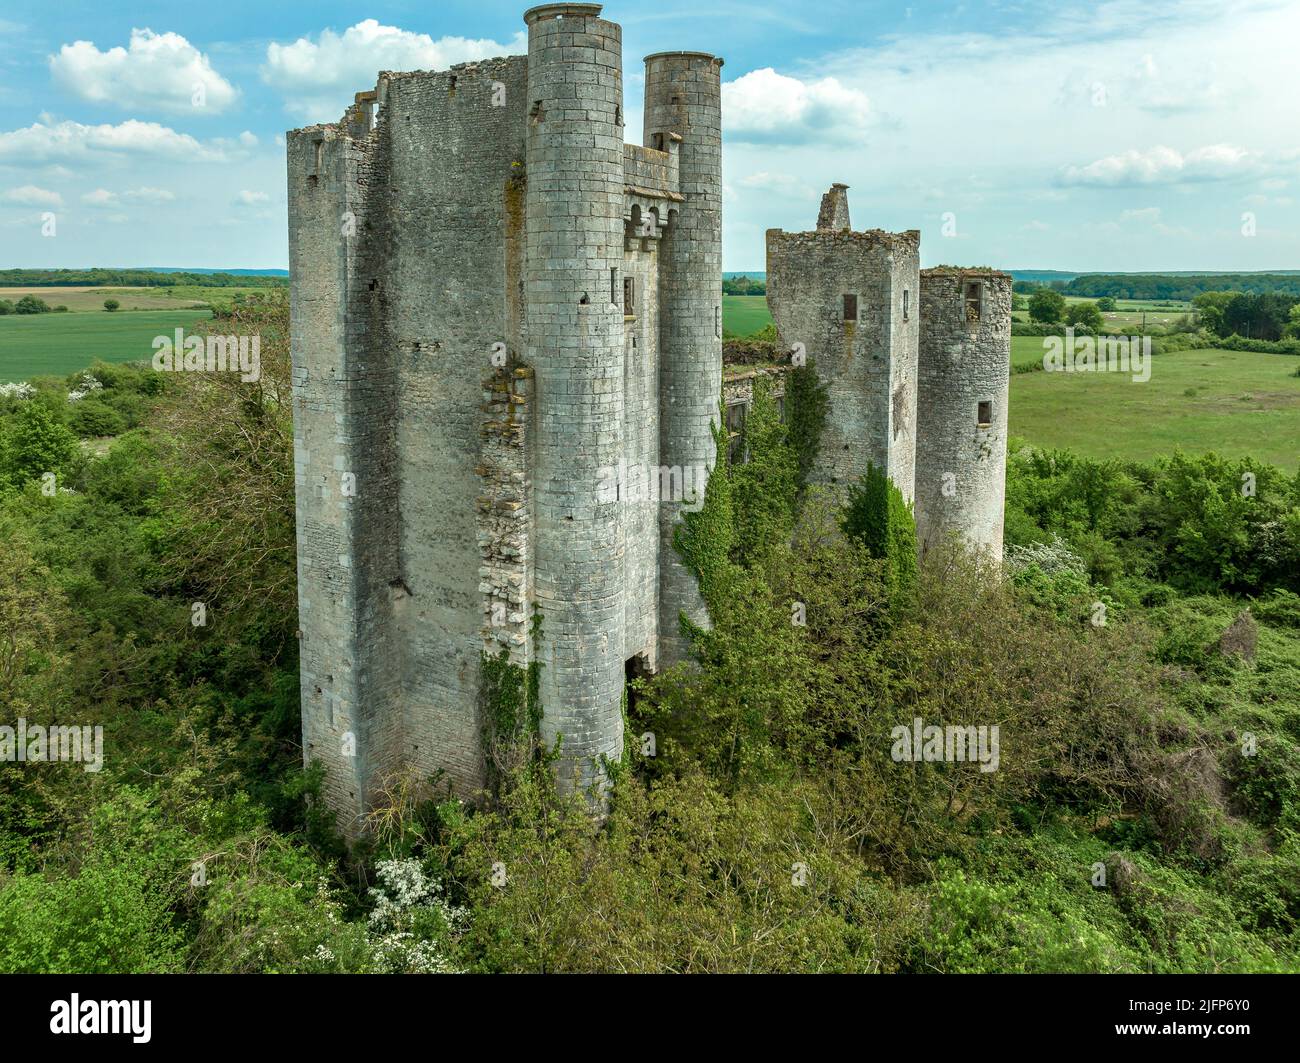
point(865, 354)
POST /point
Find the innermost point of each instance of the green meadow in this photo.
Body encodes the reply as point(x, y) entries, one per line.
point(37, 344)
point(1236, 403)
point(743, 315)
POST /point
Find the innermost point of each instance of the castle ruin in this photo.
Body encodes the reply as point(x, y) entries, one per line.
point(506, 332)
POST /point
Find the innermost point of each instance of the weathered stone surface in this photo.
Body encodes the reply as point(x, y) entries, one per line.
point(479, 418)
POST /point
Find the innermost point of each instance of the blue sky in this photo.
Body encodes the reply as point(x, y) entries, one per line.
point(1092, 136)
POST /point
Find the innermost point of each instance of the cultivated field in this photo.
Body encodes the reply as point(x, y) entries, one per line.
point(91, 299)
point(1236, 403)
point(37, 344)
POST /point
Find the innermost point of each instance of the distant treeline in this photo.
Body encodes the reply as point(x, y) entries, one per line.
point(1158, 286)
point(133, 278)
point(743, 285)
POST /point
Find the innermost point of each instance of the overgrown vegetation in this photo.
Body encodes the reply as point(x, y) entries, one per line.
point(1145, 814)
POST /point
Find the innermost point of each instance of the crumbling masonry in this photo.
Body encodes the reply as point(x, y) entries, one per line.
point(507, 356)
point(916, 365)
point(507, 365)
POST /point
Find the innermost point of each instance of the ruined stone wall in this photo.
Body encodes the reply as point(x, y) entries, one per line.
point(683, 108)
point(639, 490)
point(868, 363)
point(453, 240)
point(343, 471)
point(965, 360)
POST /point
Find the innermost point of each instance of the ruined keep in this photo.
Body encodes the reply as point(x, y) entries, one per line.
point(506, 335)
point(915, 364)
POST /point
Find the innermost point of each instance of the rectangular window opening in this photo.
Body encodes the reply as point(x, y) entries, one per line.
point(629, 297)
point(906, 304)
point(613, 286)
point(850, 308)
point(972, 302)
point(985, 414)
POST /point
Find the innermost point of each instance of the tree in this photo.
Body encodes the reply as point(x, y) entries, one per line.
point(1084, 315)
point(30, 304)
point(1046, 306)
point(879, 517)
point(1106, 304)
point(36, 443)
point(1019, 302)
point(111, 304)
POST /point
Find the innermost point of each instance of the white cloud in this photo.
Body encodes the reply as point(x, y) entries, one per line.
point(101, 197)
point(31, 196)
point(248, 139)
point(149, 195)
point(319, 77)
point(783, 184)
point(66, 141)
point(1141, 214)
point(1161, 165)
point(251, 199)
point(156, 71)
point(766, 107)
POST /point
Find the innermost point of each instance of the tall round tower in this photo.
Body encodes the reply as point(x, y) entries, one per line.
point(961, 407)
point(574, 210)
point(683, 99)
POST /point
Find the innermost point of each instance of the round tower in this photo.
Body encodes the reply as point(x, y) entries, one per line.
point(574, 257)
point(961, 408)
point(683, 102)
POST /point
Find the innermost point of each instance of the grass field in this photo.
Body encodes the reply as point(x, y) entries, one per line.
point(744, 314)
point(37, 344)
point(91, 300)
point(1237, 403)
point(1130, 313)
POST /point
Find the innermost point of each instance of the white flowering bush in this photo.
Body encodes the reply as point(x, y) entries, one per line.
point(88, 384)
point(412, 922)
point(1052, 559)
point(17, 390)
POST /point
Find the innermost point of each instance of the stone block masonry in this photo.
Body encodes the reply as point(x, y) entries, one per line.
point(505, 322)
point(915, 363)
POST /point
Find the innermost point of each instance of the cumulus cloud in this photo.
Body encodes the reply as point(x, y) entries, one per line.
point(156, 71)
point(101, 197)
point(766, 107)
point(782, 184)
point(319, 77)
point(72, 141)
point(251, 199)
point(32, 196)
point(1161, 165)
point(149, 195)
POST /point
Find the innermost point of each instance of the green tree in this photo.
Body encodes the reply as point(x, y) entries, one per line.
point(878, 516)
point(111, 304)
point(30, 304)
point(1106, 304)
point(33, 444)
point(1046, 306)
point(764, 487)
point(1084, 315)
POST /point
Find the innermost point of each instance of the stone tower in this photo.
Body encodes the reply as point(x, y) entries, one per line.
point(506, 342)
point(851, 299)
point(965, 365)
point(916, 366)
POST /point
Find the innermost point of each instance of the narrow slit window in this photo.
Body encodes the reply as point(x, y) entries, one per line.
point(985, 414)
point(907, 307)
point(318, 157)
point(629, 297)
point(613, 286)
point(972, 302)
point(850, 308)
